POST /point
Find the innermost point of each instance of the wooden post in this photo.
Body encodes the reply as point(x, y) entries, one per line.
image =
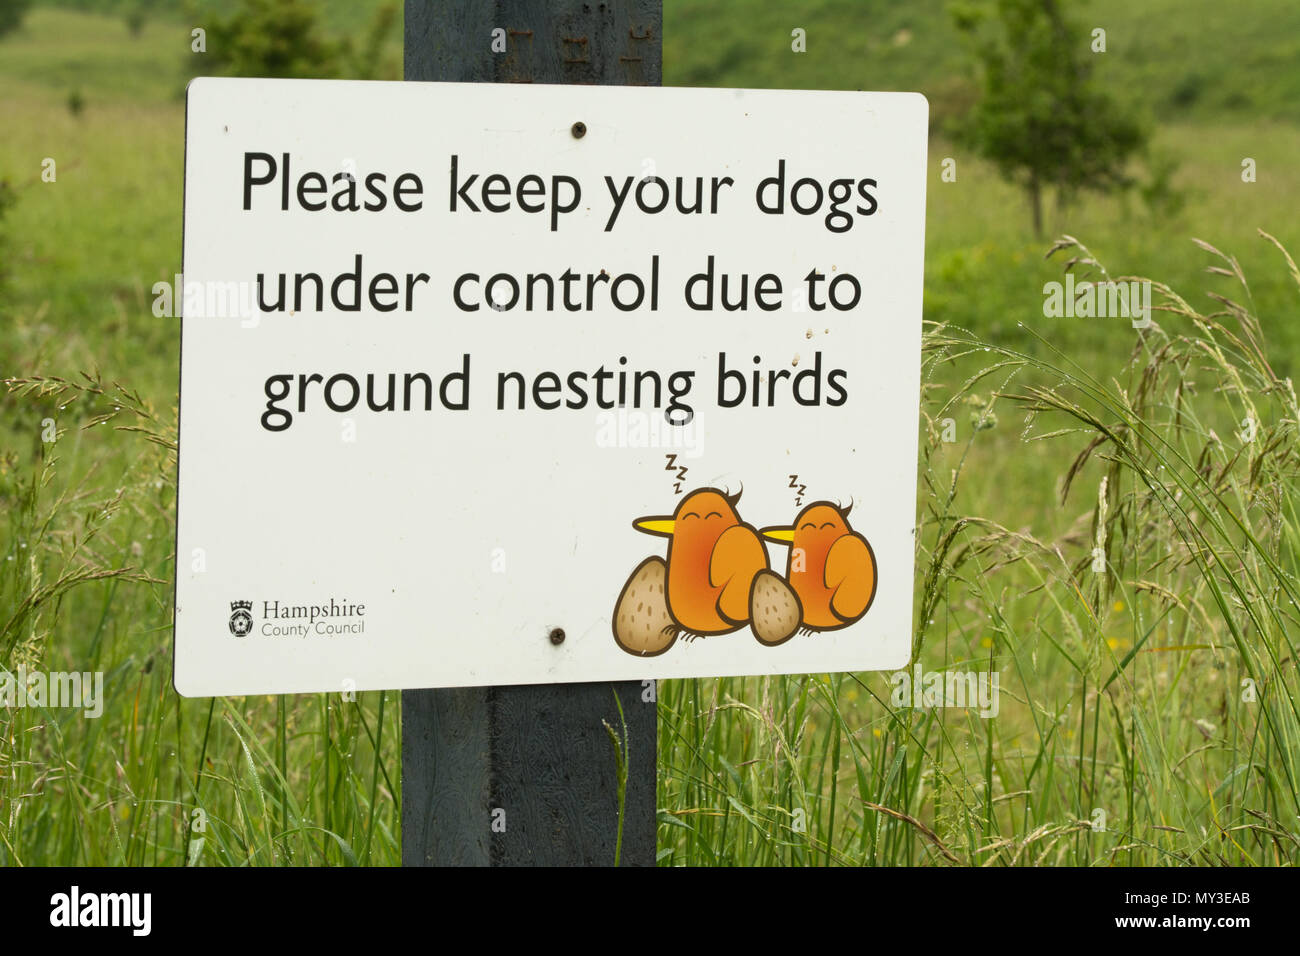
point(529, 775)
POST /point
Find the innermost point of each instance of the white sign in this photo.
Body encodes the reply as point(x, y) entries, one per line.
point(508, 384)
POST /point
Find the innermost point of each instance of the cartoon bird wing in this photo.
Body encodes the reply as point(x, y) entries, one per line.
point(851, 574)
point(737, 557)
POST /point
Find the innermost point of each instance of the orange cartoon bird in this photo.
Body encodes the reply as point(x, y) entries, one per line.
point(831, 567)
point(715, 579)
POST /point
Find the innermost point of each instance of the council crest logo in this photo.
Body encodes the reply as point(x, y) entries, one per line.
point(241, 620)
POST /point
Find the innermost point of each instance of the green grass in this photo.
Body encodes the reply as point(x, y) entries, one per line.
point(1175, 59)
point(1115, 695)
point(1124, 694)
point(85, 586)
point(301, 780)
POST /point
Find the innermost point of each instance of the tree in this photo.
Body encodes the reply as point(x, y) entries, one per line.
point(283, 38)
point(273, 38)
point(12, 13)
point(1040, 119)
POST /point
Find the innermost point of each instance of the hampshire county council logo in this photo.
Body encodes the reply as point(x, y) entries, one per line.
point(241, 621)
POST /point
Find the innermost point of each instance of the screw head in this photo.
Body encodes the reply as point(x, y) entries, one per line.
point(557, 636)
point(579, 129)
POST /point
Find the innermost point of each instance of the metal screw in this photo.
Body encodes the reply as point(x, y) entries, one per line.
point(557, 636)
point(578, 130)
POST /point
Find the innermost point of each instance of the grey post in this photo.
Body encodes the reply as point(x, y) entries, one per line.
point(541, 754)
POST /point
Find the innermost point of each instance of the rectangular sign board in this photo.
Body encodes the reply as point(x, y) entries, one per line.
point(507, 384)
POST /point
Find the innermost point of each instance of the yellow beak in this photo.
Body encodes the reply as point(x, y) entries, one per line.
point(659, 526)
point(782, 535)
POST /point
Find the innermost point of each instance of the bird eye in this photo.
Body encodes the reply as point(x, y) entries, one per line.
point(691, 514)
point(712, 514)
point(807, 524)
point(829, 524)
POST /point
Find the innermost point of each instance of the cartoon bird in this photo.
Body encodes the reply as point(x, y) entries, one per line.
point(715, 578)
point(831, 567)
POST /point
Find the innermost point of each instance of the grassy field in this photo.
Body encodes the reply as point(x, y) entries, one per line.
point(1122, 691)
point(1173, 59)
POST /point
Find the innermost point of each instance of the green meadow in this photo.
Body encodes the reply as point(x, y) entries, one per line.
point(1147, 709)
